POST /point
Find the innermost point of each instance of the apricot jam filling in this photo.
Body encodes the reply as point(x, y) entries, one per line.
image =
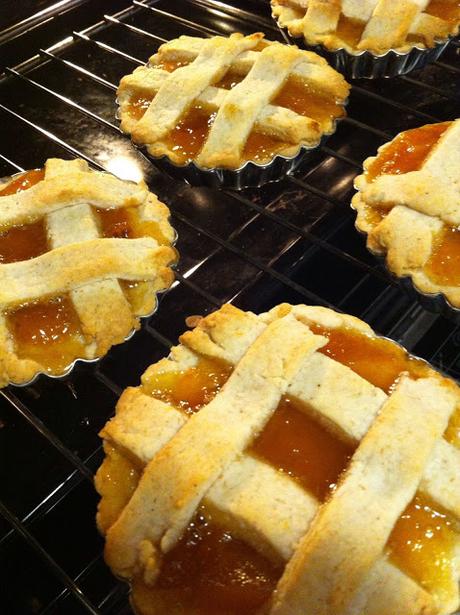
point(19, 243)
point(210, 572)
point(47, 332)
point(361, 353)
point(422, 544)
point(116, 479)
point(350, 30)
point(24, 181)
point(443, 266)
point(138, 105)
point(305, 100)
point(188, 137)
point(407, 152)
point(190, 389)
point(297, 445)
point(449, 11)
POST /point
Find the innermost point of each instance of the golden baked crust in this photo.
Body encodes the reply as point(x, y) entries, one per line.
point(416, 207)
point(338, 559)
point(240, 110)
point(373, 25)
point(80, 263)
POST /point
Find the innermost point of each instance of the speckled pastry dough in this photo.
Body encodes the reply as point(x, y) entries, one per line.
point(336, 561)
point(414, 209)
point(80, 263)
point(374, 25)
point(188, 75)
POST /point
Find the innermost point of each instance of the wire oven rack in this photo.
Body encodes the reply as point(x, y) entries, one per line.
point(291, 241)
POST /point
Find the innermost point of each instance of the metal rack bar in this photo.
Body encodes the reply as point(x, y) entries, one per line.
point(57, 570)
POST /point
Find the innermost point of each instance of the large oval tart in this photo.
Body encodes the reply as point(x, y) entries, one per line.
point(287, 463)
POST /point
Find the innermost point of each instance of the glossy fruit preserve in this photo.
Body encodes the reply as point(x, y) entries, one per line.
point(188, 137)
point(210, 571)
point(48, 331)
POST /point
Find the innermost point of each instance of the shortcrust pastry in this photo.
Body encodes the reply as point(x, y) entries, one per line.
point(286, 463)
point(371, 25)
point(82, 255)
point(221, 102)
point(409, 205)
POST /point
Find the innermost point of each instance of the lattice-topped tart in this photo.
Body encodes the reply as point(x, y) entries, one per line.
point(409, 205)
point(375, 25)
point(224, 102)
point(82, 255)
point(287, 463)
point(372, 38)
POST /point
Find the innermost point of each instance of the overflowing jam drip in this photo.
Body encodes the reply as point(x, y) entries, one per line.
point(362, 353)
point(47, 332)
point(209, 572)
point(190, 389)
point(350, 30)
point(422, 544)
point(297, 445)
point(187, 138)
point(407, 152)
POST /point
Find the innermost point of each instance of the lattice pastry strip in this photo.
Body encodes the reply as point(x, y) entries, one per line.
point(236, 86)
point(149, 430)
point(415, 210)
point(76, 254)
point(376, 25)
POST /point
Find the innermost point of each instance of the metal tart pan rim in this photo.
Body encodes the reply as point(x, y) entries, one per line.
point(367, 65)
point(249, 175)
point(433, 302)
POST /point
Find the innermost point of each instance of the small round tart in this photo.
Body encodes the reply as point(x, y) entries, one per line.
point(375, 25)
point(376, 38)
point(408, 204)
point(288, 463)
point(82, 255)
point(221, 103)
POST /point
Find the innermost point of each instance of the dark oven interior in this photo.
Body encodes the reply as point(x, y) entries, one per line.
point(291, 241)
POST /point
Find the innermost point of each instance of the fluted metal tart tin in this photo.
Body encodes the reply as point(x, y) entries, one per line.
point(80, 360)
point(367, 65)
point(249, 175)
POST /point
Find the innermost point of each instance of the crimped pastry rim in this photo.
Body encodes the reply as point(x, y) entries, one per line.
point(398, 51)
point(436, 301)
point(302, 149)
